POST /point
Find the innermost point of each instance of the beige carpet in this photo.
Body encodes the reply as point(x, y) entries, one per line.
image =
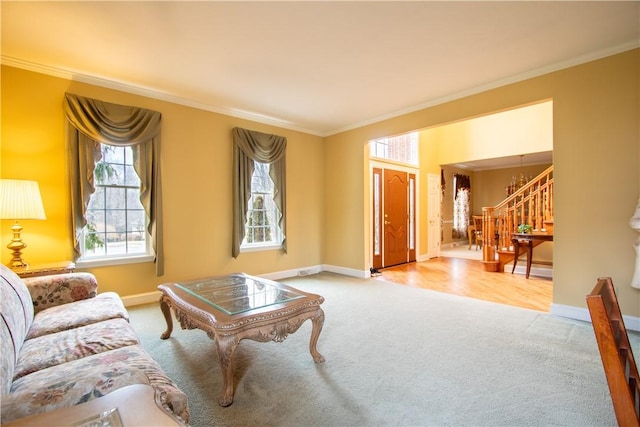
point(396, 356)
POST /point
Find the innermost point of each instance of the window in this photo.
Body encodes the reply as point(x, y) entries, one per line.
point(461, 205)
point(261, 228)
point(259, 191)
point(113, 234)
point(401, 148)
point(116, 220)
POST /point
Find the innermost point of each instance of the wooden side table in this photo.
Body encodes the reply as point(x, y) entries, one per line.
point(136, 406)
point(45, 269)
point(528, 239)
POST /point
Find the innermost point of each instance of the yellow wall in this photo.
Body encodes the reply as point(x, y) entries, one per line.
point(196, 172)
point(522, 130)
point(596, 138)
point(596, 143)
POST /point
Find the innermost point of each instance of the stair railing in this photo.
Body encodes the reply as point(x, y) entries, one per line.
point(532, 204)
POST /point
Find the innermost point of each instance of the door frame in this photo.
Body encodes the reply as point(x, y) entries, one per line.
point(434, 207)
point(380, 166)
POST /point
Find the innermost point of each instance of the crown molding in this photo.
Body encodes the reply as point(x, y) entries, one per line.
point(496, 84)
point(148, 92)
point(260, 118)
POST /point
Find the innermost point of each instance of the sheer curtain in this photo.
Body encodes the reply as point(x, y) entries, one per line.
point(90, 123)
point(461, 202)
point(249, 147)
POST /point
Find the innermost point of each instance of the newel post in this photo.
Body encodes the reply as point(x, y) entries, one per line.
point(488, 240)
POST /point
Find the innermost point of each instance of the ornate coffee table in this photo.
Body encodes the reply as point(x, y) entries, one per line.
point(236, 307)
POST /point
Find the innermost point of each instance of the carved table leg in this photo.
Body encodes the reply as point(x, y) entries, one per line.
point(316, 326)
point(166, 311)
point(226, 348)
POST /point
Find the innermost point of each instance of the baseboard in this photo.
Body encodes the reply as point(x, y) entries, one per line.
point(154, 297)
point(140, 299)
point(539, 271)
point(632, 323)
point(362, 274)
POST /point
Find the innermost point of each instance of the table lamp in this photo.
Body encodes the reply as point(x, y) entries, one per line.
point(19, 199)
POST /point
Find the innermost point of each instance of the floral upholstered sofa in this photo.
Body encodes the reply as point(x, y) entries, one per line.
point(63, 344)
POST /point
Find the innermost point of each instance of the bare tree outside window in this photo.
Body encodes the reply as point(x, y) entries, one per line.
point(261, 226)
point(116, 220)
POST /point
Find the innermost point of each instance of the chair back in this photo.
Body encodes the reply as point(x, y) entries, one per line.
point(619, 364)
point(477, 222)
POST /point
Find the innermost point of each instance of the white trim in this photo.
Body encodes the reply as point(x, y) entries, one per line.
point(136, 89)
point(141, 299)
point(305, 271)
point(496, 84)
point(102, 262)
point(541, 271)
point(152, 297)
point(631, 323)
point(362, 274)
point(257, 247)
point(75, 75)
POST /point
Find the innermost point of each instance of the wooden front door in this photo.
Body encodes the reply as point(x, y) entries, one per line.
point(398, 201)
point(395, 217)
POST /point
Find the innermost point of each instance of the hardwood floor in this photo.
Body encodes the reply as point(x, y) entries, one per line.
point(467, 278)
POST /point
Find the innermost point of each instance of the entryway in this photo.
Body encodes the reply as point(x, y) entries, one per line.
point(394, 222)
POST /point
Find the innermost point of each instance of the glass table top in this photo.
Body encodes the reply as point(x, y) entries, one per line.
point(239, 293)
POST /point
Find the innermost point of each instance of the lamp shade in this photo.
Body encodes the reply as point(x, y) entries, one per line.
point(20, 199)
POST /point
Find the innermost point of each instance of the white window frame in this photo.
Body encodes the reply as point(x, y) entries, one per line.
point(119, 258)
point(276, 242)
point(402, 149)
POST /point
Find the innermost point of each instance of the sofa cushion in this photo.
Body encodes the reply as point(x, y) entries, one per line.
point(88, 378)
point(107, 305)
point(64, 346)
point(49, 291)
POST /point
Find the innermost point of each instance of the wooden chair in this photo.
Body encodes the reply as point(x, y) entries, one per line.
point(477, 226)
point(619, 365)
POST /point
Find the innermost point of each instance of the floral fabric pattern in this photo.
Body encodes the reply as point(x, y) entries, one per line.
point(7, 358)
point(89, 378)
point(105, 306)
point(16, 301)
point(50, 291)
point(75, 346)
point(60, 347)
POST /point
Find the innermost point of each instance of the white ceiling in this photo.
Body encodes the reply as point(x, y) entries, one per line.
point(318, 67)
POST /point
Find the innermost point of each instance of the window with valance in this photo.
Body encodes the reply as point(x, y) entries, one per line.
point(252, 194)
point(90, 125)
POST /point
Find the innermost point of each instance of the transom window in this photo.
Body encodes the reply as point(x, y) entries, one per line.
point(261, 228)
point(116, 220)
point(401, 148)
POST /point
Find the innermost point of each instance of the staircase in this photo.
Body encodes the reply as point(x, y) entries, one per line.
point(532, 204)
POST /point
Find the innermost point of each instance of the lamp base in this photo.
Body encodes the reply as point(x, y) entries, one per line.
point(16, 246)
point(17, 262)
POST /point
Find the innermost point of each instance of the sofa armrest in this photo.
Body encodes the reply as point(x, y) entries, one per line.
point(57, 289)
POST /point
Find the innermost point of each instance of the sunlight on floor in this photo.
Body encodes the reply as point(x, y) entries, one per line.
point(462, 251)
